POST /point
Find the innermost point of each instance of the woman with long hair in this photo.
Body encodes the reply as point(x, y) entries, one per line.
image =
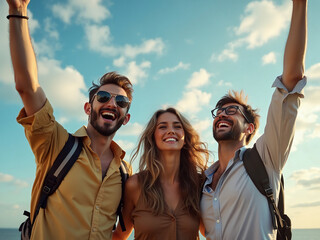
point(162, 201)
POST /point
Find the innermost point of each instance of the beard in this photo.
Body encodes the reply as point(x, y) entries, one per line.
point(106, 129)
point(233, 134)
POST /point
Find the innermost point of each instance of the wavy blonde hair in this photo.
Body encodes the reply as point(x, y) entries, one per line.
point(193, 160)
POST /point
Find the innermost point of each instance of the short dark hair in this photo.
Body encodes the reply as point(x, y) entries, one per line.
point(112, 78)
point(249, 112)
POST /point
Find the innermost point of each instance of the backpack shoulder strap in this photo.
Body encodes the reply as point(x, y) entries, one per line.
point(61, 166)
point(124, 171)
point(259, 176)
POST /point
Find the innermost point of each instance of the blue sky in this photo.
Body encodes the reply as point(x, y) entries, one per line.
point(185, 54)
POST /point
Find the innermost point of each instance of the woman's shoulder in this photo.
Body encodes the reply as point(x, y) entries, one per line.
point(133, 188)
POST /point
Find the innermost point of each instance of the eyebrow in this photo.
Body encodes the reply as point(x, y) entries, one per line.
point(176, 122)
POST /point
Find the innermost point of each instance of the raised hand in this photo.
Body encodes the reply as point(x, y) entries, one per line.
point(18, 6)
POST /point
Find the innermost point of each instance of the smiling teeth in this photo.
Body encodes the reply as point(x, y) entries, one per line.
point(108, 115)
point(170, 140)
point(223, 125)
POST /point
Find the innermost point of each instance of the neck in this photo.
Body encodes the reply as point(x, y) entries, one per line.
point(100, 144)
point(226, 151)
point(171, 164)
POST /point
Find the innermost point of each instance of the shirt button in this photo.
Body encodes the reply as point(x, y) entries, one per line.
point(218, 221)
point(215, 199)
point(97, 207)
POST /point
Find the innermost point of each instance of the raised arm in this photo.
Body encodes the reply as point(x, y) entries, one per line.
point(294, 55)
point(23, 58)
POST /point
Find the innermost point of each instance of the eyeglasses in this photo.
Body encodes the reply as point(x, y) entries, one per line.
point(230, 110)
point(104, 97)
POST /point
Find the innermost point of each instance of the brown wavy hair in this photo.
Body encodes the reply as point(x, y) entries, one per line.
point(112, 78)
point(193, 160)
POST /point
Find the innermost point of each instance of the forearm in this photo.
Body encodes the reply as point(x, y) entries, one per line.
point(294, 55)
point(24, 62)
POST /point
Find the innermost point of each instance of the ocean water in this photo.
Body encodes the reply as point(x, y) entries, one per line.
point(297, 234)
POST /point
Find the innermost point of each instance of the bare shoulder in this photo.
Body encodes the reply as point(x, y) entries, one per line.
point(132, 183)
point(132, 189)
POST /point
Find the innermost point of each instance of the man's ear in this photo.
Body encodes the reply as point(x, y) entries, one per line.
point(250, 128)
point(87, 108)
point(126, 120)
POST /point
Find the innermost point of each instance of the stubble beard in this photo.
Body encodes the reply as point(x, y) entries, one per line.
point(106, 129)
point(233, 134)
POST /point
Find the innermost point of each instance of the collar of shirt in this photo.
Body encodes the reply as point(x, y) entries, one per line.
point(116, 149)
point(213, 168)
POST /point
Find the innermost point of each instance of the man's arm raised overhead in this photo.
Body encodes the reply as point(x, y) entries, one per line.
point(23, 58)
point(294, 55)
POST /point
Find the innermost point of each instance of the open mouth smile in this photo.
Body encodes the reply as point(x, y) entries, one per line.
point(171, 139)
point(224, 124)
point(108, 114)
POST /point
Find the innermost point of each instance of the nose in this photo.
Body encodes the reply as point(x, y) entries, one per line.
point(112, 102)
point(223, 114)
point(170, 131)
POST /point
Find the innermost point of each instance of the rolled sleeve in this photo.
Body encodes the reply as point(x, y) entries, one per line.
point(275, 144)
point(297, 89)
point(43, 133)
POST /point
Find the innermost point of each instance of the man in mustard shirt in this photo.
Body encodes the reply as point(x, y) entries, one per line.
point(84, 206)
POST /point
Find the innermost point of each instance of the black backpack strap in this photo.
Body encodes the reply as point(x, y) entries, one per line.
point(61, 166)
point(259, 176)
point(285, 231)
point(124, 171)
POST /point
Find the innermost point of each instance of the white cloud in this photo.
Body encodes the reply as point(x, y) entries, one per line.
point(130, 129)
point(126, 145)
point(269, 58)
point(32, 23)
point(6, 178)
point(99, 39)
point(307, 177)
point(49, 27)
point(44, 48)
point(199, 79)
point(119, 62)
point(64, 12)
point(307, 126)
point(226, 54)
point(64, 88)
point(83, 10)
point(148, 46)
point(137, 72)
point(261, 22)
point(193, 101)
point(224, 83)
point(313, 73)
point(202, 125)
point(180, 65)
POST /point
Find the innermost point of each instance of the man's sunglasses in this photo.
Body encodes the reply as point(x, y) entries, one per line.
point(230, 110)
point(104, 97)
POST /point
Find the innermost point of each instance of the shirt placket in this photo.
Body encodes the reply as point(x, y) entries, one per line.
point(96, 208)
point(216, 198)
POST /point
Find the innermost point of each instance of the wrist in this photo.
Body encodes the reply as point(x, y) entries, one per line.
point(18, 11)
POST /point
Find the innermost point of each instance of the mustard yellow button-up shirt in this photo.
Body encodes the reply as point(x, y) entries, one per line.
point(84, 206)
